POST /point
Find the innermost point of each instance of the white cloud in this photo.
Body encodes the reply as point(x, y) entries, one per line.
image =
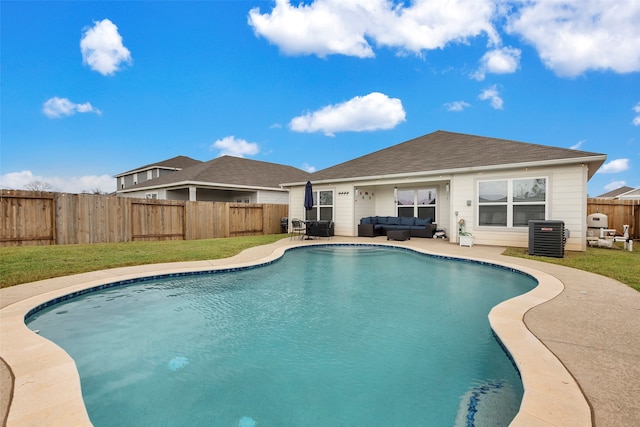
point(457, 106)
point(102, 48)
point(307, 167)
point(493, 96)
point(614, 166)
point(578, 145)
point(65, 184)
point(504, 60)
point(232, 146)
point(326, 27)
point(575, 36)
point(636, 119)
point(614, 185)
point(56, 108)
point(362, 113)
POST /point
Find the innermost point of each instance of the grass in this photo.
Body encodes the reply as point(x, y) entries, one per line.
point(619, 264)
point(25, 264)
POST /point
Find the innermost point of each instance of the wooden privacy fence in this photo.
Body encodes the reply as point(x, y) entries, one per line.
point(45, 218)
point(619, 213)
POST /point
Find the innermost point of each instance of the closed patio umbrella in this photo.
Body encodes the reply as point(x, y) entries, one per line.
point(308, 205)
point(308, 196)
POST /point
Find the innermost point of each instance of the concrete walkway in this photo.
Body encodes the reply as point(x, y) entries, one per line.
point(592, 326)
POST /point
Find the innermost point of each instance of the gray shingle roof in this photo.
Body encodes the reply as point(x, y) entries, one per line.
point(178, 162)
point(441, 151)
point(613, 193)
point(232, 171)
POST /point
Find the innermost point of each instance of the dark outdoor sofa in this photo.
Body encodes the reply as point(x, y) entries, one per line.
point(372, 226)
point(320, 228)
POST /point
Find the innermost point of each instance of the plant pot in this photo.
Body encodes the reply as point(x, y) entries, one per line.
point(466, 241)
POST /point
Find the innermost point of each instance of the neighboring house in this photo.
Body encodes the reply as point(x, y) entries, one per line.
point(155, 170)
point(622, 193)
point(224, 179)
point(496, 186)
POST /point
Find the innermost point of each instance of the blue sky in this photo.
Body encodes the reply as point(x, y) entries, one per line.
point(92, 89)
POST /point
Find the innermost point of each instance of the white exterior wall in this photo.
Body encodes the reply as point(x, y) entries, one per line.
point(162, 194)
point(379, 200)
point(296, 203)
point(343, 209)
point(264, 196)
point(365, 198)
point(271, 197)
point(566, 201)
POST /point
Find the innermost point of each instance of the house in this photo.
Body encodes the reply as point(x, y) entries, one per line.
point(223, 179)
point(493, 186)
point(155, 170)
point(622, 193)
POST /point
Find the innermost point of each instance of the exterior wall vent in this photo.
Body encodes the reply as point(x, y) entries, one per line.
point(547, 238)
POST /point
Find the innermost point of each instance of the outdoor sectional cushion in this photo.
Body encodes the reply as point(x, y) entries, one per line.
point(423, 221)
point(406, 220)
point(393, 220)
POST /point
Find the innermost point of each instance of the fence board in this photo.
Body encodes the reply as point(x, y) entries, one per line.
point(27, 218)
point(245, 219)
point(157, 220)
point(36, 218)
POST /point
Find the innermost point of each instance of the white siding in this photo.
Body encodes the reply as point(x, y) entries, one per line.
point(566, 201)
point(296, 203)
point(271, 197)
point(343, 209)
point(364, 205)
point(462, 189)
point(385, 201)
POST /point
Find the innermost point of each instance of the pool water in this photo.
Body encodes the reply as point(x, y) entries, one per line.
point(326, 336)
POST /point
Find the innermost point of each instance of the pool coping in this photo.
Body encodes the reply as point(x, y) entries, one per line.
point(47, 385)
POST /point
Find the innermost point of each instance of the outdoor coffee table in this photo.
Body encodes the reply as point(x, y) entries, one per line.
point(398, 235)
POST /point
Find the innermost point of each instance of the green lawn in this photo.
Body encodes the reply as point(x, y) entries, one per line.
point(616, 263)
point(25, 264)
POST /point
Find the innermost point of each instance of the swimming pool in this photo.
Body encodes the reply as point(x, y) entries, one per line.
point(326, 336)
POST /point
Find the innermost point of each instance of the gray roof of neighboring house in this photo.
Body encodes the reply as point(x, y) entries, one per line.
point(614, 193)
point(176, 163)
point(443, 151)
point(231, 171)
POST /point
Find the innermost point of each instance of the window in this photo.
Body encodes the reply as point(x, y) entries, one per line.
point(512, 202)
point(151, 195)
point(322, 206)
point(419, 203)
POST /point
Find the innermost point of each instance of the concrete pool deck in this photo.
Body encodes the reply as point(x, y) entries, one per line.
point(591, 324)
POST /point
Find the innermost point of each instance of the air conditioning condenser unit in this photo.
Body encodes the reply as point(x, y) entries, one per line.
point(547, 238)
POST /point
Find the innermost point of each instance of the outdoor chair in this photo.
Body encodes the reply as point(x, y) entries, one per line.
point(297, 228)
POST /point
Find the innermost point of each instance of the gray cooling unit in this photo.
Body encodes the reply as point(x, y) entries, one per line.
point(546, 238)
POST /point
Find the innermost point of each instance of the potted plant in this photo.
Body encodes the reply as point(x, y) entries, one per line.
point(466, 238)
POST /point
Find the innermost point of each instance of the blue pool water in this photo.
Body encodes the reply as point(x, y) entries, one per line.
point(326, 336)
